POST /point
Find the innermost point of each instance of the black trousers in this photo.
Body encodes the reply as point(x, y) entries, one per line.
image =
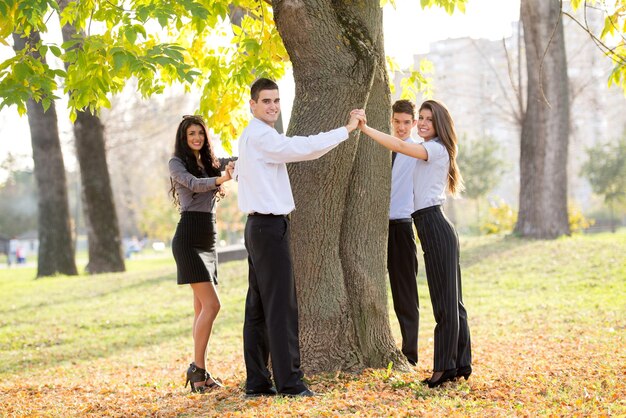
point(402, 268)
point(271, 315)
point(440, 244)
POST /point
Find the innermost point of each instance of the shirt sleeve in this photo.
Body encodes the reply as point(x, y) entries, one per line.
point(180, 175)
point(277, 148)
point(435, 150)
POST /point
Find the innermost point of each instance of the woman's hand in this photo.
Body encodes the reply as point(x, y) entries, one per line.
point(357, 116)
point(228, 174)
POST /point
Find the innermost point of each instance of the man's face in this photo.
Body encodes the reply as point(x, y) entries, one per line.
point(402, 123)
point(267, 107)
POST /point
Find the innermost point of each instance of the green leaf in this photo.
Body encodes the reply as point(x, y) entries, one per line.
point(131, 35)
point(56, 51)
point(140, 29)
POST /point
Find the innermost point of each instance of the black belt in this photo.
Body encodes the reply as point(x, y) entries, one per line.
point(400, 221)
point(267, 214)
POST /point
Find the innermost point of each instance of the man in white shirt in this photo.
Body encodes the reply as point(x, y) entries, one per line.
point(271, 315)
point(401, 248)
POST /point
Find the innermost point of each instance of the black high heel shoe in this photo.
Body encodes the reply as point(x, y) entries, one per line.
point(447, 376)
point(211, 383)
point(194, 375)
point(464, 371)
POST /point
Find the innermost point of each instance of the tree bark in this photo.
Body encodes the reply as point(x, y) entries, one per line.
point(339, 227)
point(103, 233)
point(56, 250)
point(545, 126)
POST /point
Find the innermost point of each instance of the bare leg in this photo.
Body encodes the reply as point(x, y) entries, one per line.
point(206, 306)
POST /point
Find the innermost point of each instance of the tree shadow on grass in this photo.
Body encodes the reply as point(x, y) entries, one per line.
point(492, 248)
point(80, 294)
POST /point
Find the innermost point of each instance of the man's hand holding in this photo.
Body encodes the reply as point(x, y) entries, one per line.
point(357, 117)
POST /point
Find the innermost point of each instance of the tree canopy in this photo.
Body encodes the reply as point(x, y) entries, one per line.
point(156, 42)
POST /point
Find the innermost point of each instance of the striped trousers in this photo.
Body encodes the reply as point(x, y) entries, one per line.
point(440, 244)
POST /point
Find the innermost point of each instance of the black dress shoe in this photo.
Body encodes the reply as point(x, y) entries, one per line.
point(305, 393)
point(265, 392)
point(464, 371)
point(447, 376)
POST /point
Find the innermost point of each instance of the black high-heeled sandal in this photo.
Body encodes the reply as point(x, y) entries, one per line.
point(211, 383)
point(194, 375)
point(447, 376)
point(464, 371)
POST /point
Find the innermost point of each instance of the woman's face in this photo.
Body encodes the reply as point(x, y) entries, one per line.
point(425, 126)
point(195, 138)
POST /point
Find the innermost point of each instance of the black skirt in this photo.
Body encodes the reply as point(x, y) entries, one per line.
point(193, 246)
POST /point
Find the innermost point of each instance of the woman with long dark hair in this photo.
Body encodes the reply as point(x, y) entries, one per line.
point(436, 172)
point(196, 185)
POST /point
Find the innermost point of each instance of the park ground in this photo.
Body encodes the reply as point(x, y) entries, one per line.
point(548, 323)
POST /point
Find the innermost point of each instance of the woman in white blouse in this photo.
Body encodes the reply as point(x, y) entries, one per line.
point(436, 172)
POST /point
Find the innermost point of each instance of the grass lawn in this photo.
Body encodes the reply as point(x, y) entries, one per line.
point(548, 323)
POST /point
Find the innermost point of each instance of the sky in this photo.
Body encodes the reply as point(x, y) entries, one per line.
point(409, 30)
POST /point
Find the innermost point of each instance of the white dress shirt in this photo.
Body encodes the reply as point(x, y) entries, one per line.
point(401, 201)
point(431, 176)
point(261, 169)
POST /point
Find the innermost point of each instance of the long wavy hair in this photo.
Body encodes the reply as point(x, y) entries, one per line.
point(208, 158)
point(444, 129)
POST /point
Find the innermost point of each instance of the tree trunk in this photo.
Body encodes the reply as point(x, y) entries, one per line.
point(545, 126)
point(339, 227)
point(56, 250)
point(103, 234)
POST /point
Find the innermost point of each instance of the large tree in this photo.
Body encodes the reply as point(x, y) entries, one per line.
point(340, 224)
point(545, 124)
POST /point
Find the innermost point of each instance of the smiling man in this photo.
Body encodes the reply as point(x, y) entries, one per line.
point(271, 314)
point(401, 247)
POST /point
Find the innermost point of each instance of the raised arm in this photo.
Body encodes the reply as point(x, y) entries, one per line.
point(395, 144)
point(277, 148)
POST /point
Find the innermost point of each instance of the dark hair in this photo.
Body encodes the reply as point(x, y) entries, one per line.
point(182, 151)
point(444, 129)
point(261, 84)
point(404, 106)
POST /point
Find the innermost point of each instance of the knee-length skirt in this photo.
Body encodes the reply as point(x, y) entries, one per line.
point(194, 250)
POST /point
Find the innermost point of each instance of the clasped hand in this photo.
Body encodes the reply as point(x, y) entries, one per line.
point(357, 119)
point(230, 169)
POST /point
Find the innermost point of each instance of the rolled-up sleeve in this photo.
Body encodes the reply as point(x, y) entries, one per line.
point(180, 175)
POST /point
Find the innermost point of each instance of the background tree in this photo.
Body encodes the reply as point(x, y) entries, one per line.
point(481, 168)
point(103, 234)
point(56, 250)
point(606, 171)
point(545, 126)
